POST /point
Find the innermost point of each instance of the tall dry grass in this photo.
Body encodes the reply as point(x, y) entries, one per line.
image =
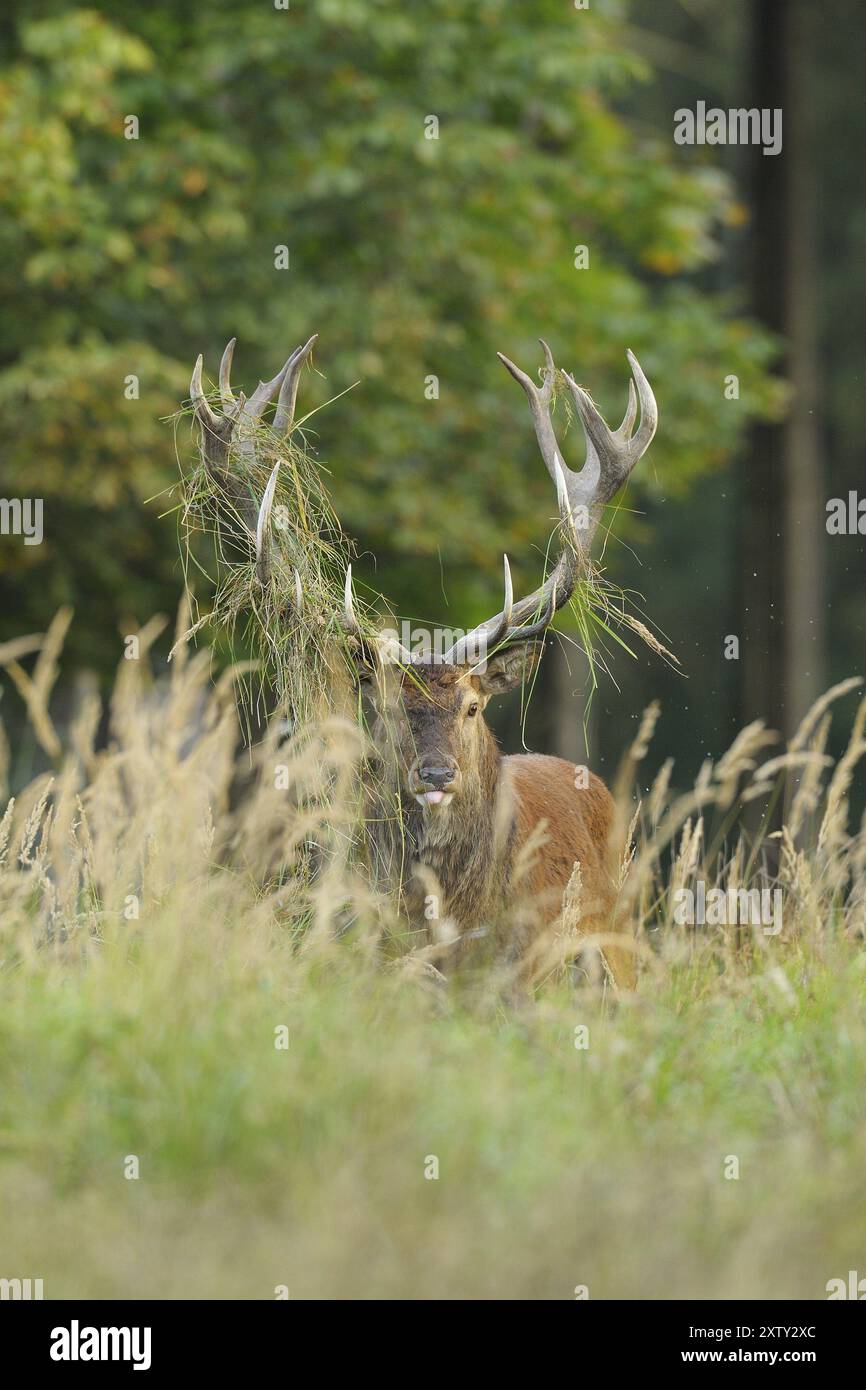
point(174, 805)
point(169, 898)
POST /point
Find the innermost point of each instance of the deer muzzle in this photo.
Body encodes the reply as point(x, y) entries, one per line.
point(433, 783)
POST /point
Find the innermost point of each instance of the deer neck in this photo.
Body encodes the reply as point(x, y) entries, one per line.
point(459, 856)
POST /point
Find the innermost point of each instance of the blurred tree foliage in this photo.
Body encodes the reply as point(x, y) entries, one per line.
point(412, 257)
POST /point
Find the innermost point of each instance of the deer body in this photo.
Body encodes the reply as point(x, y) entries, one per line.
point(479, 843)
point(458, 832)
point(517, 842)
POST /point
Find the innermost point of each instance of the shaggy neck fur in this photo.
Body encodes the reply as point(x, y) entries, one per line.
point(459, 853)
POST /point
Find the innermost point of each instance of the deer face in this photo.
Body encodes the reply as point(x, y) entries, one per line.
point(428, 722)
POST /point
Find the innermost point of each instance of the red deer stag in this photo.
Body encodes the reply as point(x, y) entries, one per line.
point(457, 831)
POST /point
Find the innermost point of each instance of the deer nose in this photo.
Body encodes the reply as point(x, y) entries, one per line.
point(436, 777)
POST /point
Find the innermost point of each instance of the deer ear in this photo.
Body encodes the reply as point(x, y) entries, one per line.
point(509, 668)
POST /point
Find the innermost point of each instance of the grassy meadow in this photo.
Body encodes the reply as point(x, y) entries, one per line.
point(224, 1075)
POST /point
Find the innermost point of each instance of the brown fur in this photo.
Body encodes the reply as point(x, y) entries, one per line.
point(505, 847)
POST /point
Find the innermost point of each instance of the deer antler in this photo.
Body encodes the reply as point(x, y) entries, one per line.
point(582, 496)
point(381, 648)
point(240, 417)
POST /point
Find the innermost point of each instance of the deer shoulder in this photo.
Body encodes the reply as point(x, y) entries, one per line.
point(559, 822)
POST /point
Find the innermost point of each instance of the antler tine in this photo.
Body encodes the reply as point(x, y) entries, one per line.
point(201, 405)
point(265, 392)
point(540, 398)
point(473, 646)
point(353, 627)
point(649, 410)
point(225, 373)
point(502, 621)
point(389, 648)
point(625, 429)
point(285, 413)
point(255, 408)
point(263, 522)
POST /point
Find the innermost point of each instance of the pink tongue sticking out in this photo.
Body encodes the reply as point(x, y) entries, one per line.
point(433, 798)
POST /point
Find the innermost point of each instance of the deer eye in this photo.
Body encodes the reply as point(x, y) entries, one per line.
point(473, 709)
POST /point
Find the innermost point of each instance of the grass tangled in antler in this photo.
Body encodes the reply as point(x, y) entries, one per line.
point(294, 644)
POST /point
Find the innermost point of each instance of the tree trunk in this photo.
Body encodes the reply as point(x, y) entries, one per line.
point(783, 522)
point(763, 549)
point(804, 511)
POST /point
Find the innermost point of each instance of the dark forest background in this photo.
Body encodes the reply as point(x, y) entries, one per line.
point(260, 127)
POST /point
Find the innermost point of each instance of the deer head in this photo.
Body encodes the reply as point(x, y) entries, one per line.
point(427, 715)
